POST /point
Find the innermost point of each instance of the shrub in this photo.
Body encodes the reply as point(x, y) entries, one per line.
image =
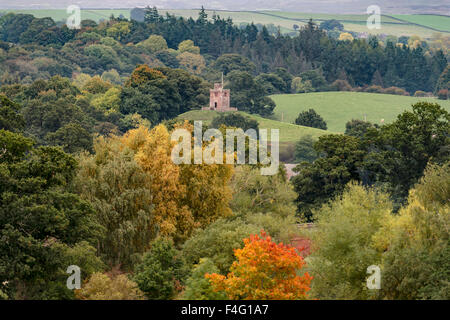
point(341, 85)
point(103, 287)
point(311, 119)
point(396, 91)
point(420, 93)
point(374, 89)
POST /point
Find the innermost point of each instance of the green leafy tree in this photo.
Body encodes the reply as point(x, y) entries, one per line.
point(339, 162)
point(161, 272)
point(311, 119)
point(198, 287)
point(304, 150)
point(72, 137)
point(153, 44)
point(229, 62)
point(444, 80)
point(271, 83)
point(102, 286)
point(401, 150)
point(415, 242)
point(44, 227)
point(248, 95)
point(317, 79)
point(343, 245)
point(332, 25)
point(358, 128)
point(10, 118)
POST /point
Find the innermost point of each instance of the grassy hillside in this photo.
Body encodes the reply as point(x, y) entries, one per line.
point(428, 20)
point(339, 107)
point(288, 132)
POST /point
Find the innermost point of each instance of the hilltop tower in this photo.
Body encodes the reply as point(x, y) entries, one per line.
point(219, 99)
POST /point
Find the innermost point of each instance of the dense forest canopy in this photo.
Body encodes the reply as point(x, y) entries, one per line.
point(29, 44)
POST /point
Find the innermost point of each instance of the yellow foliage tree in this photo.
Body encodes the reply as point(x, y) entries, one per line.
point(208, 193)
point(118, 30)
point(345, 36)
point(153, 152)
point(185, 197)
point(188, 46)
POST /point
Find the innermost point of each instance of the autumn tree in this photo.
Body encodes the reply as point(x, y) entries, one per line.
point(153, 153)
point(259, 202)
point(264, 270)
point(120, 191)
point(185, 197)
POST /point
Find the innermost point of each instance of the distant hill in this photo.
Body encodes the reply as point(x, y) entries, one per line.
point(339, 107)
point(325, 6)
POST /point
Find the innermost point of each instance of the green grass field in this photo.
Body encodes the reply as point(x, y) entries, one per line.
point(339, 107)
point(288, 132)
point(397, 25)
point(432, 21)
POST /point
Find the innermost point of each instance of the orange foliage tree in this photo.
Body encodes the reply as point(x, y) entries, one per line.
point(264, 270)
point(142, 74)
